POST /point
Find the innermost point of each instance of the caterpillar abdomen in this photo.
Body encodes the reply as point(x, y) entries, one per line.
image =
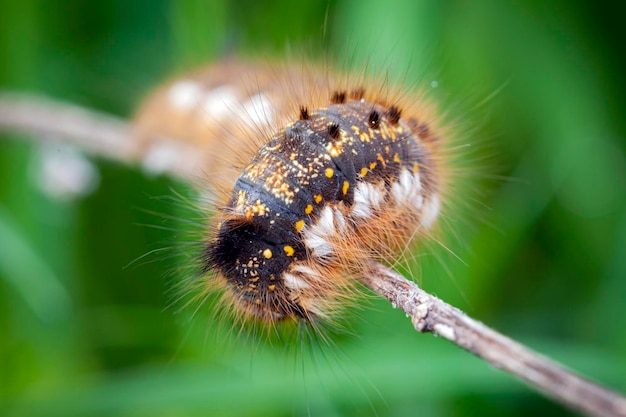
point(338, 177)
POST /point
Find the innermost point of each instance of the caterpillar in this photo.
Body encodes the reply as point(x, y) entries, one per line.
point(313, 176)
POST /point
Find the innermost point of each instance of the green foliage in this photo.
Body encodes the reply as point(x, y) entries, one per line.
point(539, 86)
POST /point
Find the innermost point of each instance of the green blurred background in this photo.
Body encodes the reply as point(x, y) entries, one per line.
point(538, 86)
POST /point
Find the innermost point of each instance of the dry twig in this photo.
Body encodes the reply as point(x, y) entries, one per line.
point(430, 314)
point(42, 118)
point(109, 137)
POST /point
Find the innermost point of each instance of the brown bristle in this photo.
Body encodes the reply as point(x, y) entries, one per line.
point(393, 114)
point(374, 119)
point(304, 113)
point(338, 97)
point(413, 124)
point(333, 130)
point(357, 93)
point(423, 131)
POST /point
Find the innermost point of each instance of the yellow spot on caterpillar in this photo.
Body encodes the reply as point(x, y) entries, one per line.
point(345, 187)
point(267, 254)
point(372, 165)
point(363, 171)
point(289, 250)
point(241, 200)
point(271, 287)
point(329, 172)
point(257, 301)
point(334, 149)
point(308, 209)
point(317, 198)
point(258, 208)
point(396, 158)
point(381, 159)
point(299, 225)
point(416, 167)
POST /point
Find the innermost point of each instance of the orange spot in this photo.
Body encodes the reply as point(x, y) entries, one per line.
point(317, 198)
point(372, 165)
point(271, 287)
point(363, 171)
point(396, 158)
point(267, 254)
point(329, 172)
point(289, 250)
point(308, 209)
point(345, 187)
point(299, 225)
point(381, 159)
point(416, 167)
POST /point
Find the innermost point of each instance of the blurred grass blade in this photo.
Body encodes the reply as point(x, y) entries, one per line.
point(31, 277)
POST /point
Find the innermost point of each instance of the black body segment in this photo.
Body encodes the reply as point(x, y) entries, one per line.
point(316, 161)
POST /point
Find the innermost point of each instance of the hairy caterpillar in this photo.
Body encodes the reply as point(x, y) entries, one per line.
point(314, 175)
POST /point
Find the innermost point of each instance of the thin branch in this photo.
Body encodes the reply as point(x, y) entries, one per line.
point(42, 119)
point(430, 314)
point(109, 137)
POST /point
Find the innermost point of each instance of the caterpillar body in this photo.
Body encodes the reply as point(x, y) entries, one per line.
point(316, 175)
